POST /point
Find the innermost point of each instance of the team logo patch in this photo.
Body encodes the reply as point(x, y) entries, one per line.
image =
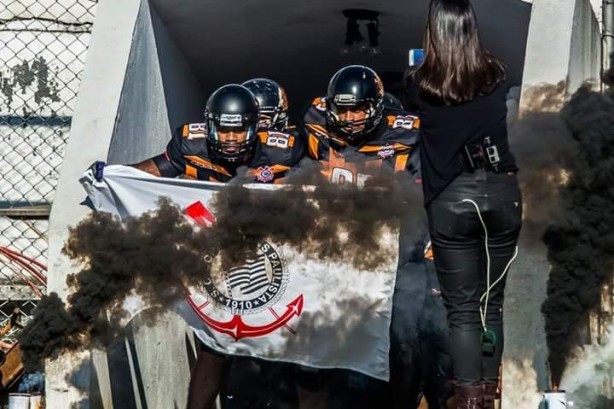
point(385, 151)
point(265, 174)
point(227, 297)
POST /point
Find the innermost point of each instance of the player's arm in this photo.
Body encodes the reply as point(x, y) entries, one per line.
point(167, 164)
point(149, 166)
point(159, 165)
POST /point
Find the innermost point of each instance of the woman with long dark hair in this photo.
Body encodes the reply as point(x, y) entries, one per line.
point(470, 188)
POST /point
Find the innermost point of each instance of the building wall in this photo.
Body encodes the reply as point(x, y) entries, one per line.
point(160, 93)
point(563, 51)
point(585, 49)
point(125, 112)
point(92, 126)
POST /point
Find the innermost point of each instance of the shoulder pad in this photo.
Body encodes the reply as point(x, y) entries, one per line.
point(194, 130)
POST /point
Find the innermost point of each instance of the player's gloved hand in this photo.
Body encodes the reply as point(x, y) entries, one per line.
point(97, 169)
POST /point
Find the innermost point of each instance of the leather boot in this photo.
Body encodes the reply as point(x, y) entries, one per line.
point(469, 396)
point(490, 391)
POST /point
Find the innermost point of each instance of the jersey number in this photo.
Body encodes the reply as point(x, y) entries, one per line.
point(196, 131)
point(277, 141)
point(404, 122)
point(343, 176)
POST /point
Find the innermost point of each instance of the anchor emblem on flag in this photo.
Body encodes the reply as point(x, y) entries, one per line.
point(249, 289)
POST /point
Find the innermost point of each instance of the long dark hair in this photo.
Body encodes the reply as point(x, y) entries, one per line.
point(456, 68)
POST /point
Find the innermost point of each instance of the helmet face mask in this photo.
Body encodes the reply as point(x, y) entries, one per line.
point(231, 121)
point(231, 144)
point(272, 101)
point(351, 121)
point(358, 90)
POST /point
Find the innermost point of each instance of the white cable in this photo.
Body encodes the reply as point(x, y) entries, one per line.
point(488, 285)
point(502, 274)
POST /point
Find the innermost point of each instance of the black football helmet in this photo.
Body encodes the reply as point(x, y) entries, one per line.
point(231, 107)
point(273, 103)
point(354, 86)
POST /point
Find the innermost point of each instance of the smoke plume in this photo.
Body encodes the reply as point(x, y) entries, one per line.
point(587, 373)
point(581, 240)
point(521, 374)
point(160, 253)
point(543, 147)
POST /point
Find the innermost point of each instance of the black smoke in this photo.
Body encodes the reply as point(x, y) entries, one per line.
point(150, 255)
point(160, 253)
point(543, 147)
point(580, 240)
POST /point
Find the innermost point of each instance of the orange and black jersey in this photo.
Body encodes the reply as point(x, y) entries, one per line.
point(393, 144)
point(187, 152)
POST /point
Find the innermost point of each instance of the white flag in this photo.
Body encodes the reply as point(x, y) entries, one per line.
point(281, 305)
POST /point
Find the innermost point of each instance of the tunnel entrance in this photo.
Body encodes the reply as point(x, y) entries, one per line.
point(301, 45)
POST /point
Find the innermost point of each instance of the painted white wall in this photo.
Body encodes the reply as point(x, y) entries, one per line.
point(585, 48)
point(563, 45)
point(92, 127)
point(148, 89)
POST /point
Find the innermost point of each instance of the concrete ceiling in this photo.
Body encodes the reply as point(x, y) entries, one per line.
point(298, 43)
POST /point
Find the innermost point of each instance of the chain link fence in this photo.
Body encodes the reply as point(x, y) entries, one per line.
point(43, 46)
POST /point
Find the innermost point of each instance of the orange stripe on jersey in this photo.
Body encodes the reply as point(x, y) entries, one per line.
point(263, 136)
point(209, 165)
point(370, 148)
point(417, 123)
point(279, 168)
point(401, 163)
point(191, 171)
point(377, 148)
point(291, 141)
point(185, 131)
point(313, 146)
point(317, 128)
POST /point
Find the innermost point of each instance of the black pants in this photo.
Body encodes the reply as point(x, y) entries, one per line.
point(461, 262)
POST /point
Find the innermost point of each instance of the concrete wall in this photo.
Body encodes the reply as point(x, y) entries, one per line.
point(125, 113)
point(563, 51)
point(563, 47)
point(93, 123)
point(585, 49)
point(160, 93)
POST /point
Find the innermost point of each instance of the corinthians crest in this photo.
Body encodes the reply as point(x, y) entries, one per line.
point(254, 288)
